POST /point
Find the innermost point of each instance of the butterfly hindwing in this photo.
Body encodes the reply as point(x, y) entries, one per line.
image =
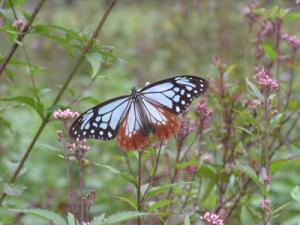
point(176, 93)
point(130, 135)
point(101, 121)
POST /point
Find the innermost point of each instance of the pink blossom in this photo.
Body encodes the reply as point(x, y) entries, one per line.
point(264, 79)
point(253, 103)
point(298, 4)
point(59, 135)
point(19, 24)
point(65, 115)
point(266, 28)
point(191, 169)
point(83, 147)
point(266, 179)
point(85, 223)
point(207, 158)
point(249, 11)
point(186, 127)
point(212, 219)
point(265, 205)
point(71, 146)
point(293, 41)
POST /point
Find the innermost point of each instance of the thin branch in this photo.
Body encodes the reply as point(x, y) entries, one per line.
point(60, 94)
point(139, 184)
point(154, 172)
point(21, 36)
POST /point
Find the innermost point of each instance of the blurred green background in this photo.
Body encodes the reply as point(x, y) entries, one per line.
point(147, 41)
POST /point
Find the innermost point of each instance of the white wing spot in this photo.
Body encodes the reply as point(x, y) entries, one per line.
point(103, 125)
point(109, 135)
point(176, 98)
point(196, 91)
point(201, 85)
point(84, 132)
point(189, 88)
point(169, 94)
point(177, 109)
point(176, 89)
point(106, 117)
point(98, 118)
point(182, 102)
point(92, 131)
point(201, 89)
point(101, 132)
point(95, 124)
point(182, 92)
point(188, 95)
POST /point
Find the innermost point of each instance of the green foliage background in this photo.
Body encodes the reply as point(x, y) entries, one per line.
point(141, 41)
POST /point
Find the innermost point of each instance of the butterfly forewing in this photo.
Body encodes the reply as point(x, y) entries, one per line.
point(176, 93)
point(101, 121)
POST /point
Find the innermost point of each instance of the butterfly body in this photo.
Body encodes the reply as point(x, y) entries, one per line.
point(132, 118)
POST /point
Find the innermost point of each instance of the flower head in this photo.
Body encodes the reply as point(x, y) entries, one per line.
point(264, 79)
point(65, 115)
point(298, 4)
point(186, 127)
point(266, 179)
point(293, 41)
point(191, 169)
point(265, 205)
point(59, 135)
point(19, 24)
point(249, 11)
point(212, 219)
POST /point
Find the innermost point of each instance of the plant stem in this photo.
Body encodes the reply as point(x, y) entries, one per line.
point(81, 165)
point(60, 94)
point(21, 35)
point(139, 183)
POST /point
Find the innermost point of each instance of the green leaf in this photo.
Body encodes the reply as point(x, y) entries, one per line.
point(278, 165)
point(37, 106)
point(5, 123)
point(95, 59)
point(128, 201)
point(13, 190)
point(157, 190)
point(187, 220)
point(72, 219)
point(269, 51)
point(124, 175)
point(247, 170)
point(295, 193)
point(43, 213)
point(292, 16)
point(246, 217)
point(159, 204)
point(98, 220)
point(123, 216)
point(254, 90)
point(280, 208)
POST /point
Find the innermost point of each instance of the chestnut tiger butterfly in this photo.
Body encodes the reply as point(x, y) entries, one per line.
point(132, 118)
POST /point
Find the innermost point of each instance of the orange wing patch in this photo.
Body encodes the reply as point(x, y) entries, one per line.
point(136, 141)
point(169, 128)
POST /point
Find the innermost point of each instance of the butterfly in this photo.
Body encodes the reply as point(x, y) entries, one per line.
point(132, 118)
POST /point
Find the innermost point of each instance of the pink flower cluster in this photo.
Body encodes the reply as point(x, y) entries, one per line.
point(264, 79)
point(266, 179)
point(78, 145)
point(293, 41)
point(191, 169)
point(249, 11)
point(265, 205)
point(65, 115)
point(298, 4)
point(212, 219)
point(186, 127)
point(19, 24)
